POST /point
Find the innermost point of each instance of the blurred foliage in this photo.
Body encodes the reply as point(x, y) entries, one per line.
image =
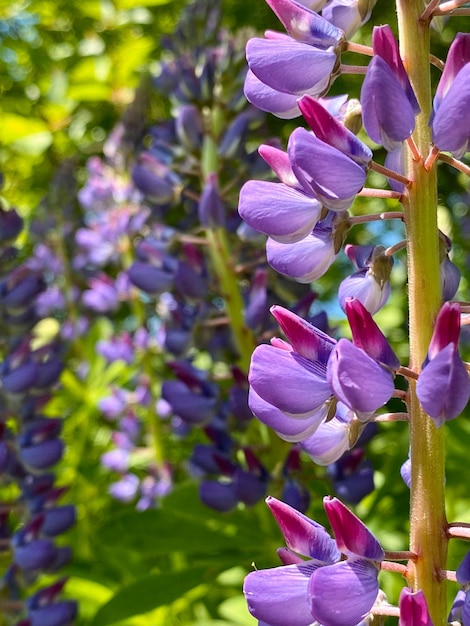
point(68, 69)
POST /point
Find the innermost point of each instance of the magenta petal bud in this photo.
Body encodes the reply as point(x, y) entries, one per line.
point(278, 596)
point(413, 609)
point(302, 534)
point(348, 370)
point(305, 339)
point(353, 538)
point(446, 329)
point(278, 161)
point(343, 594)
point(330, 130)
point(368, 336)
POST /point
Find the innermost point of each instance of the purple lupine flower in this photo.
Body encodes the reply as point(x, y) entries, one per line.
point(371, 283)
point(450, 125)
point(328, 173)
point(368, 336)
point(348, 15)
point(11, 224)
point(211, 209)
point(443, 386)
point(304, 61)
point(458, 56)
point(308, 259)
point(449, 273)
point(331, 130)
point(413, 608)
point(44, 608)
point(189, 126)
point(256, 308)
point(460, 610)
point(386, 90)
point(405, 472)
point(281, 373)
point(323, 588)
point(352, 476)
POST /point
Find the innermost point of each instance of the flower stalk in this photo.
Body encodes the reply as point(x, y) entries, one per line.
point(427, 502)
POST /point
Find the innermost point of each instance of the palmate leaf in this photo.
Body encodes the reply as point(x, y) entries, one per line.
point(147, 594)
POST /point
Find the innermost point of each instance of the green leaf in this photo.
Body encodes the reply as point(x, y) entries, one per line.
point(130, 4)
point(146, 594)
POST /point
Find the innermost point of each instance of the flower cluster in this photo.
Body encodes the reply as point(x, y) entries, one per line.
point(30, 443)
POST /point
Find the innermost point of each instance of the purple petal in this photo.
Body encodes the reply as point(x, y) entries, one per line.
point(386, 46)
point(287, 380)
point(306, 25)
point(364, 287)
point(463, 570)
point(278, 596)
point(357, 380)
point(331, 175)
point(443, 386)
point(387, 113)
point(451, 126)
point(343, 594)
point(303, 535)
point(330, 441)
point(352, 536)
point(413, 609)
point(457, 56)
point(305, 261)
point(288, 428)
point(283, 105)
point(285, 214)
point(290, 66)
point(217, 495)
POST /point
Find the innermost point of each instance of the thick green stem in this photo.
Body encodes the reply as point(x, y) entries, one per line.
point(427, 516)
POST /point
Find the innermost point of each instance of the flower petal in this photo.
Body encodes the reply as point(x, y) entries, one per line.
point(278, 596)
point(287, 380)
point(343, 594)
point(285, 214)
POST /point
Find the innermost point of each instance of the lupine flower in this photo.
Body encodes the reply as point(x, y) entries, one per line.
point(443, 386)
point(450, 126)
point(303, 62)
point(458, 56)
point(448, 271)
point(386, 90)
point(413, 608)
point(460, 610)
point(371, 283)
point(352, 476)
point(328, 173)
point(349, 15)
point(322, 589)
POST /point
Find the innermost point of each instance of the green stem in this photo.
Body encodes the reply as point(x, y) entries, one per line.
point(428, 538)
point(222, 266)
